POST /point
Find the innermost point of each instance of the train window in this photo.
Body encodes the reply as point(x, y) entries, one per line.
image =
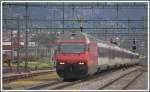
point(126, 55)
point(123, 54)
point(118, 54)
point(72, 47)
point(112, 53)
point(135, 56)
point(103, 52)
point(132, 56)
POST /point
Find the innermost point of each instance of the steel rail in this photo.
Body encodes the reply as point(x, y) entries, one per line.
point(10, 78)
point(118, 78)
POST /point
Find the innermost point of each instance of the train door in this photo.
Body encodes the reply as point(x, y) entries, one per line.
point(93, 54)
point(93, 63)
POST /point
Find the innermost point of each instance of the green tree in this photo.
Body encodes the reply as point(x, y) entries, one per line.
point(45, 39)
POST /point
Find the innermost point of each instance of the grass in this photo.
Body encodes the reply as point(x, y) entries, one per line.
point(39, 64)
point(21, 84)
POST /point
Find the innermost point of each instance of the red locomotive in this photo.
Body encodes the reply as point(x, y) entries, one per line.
point(79, 55)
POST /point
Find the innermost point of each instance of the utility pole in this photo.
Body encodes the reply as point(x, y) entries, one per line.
point(134, 45)
point(18, 46)
point(81, 23)
point(11, 45)
point(37, 42)
point(129, 28)
point(81, 27)
point(63, 18)
point(26, 38)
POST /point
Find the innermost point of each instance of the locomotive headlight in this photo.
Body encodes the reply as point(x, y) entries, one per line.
point(81, 63)
point(62, 63)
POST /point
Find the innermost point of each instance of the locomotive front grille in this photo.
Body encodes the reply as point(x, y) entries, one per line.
point(71, 70)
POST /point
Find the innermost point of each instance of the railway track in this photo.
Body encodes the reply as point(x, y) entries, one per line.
point(14, 77)
point(123, 81)
point(101, 82)
point(60, 84)
point(54, 85)
point(45, 84)
point(131, 81)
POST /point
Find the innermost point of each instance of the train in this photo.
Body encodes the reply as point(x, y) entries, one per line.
point(79, 55)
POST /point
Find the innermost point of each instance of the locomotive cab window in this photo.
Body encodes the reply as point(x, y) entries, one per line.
point(73, 47)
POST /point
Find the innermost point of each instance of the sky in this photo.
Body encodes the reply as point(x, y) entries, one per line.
point(97, 12)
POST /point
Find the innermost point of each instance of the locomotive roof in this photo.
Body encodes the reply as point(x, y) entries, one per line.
point(84, 36)
point(68, 36)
